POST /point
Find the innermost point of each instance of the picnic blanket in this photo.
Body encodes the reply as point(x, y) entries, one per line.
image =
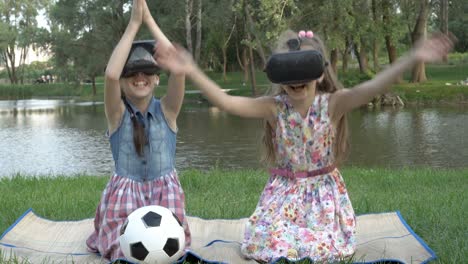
point(380, 237)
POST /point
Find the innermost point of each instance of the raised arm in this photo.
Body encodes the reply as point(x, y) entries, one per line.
point(262, 107)
point(172, 101)
point(429, 50)
point(181, 61)
point(114, 107)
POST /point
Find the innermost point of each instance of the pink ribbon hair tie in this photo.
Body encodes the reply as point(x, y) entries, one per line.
point(306, 34)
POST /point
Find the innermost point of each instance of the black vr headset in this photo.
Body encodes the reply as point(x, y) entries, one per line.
point(296, 66)
point(140, 59)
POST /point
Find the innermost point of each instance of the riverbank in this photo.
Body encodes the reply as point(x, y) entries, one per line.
point(444, 85)
point(433, 202)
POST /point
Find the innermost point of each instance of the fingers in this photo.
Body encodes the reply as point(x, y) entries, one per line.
point(137, 11)
point(175, 59)
point(446, 42)
point(146, 11)
point(435, 47)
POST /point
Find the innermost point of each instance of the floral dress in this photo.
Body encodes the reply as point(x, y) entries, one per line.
point(304, 210)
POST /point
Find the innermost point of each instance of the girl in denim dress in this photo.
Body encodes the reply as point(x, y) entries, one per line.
point(142, 132)
point(304, 210)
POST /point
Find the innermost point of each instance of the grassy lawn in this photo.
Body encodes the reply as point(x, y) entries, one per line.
point(433, 202)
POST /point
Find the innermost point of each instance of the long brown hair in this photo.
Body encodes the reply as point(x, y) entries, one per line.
point(139, 133)
point(329, 84)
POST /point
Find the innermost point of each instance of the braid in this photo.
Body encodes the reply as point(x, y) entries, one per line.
point(139, 134)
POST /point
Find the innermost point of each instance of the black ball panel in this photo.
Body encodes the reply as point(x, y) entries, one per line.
point(138, 251)
point(124, 227)
point(151, 219)
point(171, 247)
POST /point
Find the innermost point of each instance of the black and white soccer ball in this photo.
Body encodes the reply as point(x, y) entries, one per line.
point(152, 234)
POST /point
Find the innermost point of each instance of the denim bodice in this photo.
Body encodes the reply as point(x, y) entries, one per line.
point(159, 153)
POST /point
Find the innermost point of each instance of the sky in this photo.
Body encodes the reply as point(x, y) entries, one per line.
point(42, 20)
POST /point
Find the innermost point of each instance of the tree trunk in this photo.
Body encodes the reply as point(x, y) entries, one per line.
point(199, 31)
point(345, 54)
point(444, 21)
point(93, 80)
point(251, 30)
point(419, 32)
point(22, 63)
point(224, 49)
point(253, 81)
point(392, 53)
point(375, 43)
point(334, 60)
point(188, 24)
point(245, 62)
point(224, 63)
point(375, 55)
point(364, 65)
point(391, 49)
point(10, 61)
point(362, 57)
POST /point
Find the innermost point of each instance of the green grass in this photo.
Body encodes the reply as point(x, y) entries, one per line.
point(433, 202)
point(433, 91)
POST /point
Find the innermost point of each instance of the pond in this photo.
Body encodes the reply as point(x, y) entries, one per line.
point(66, 137)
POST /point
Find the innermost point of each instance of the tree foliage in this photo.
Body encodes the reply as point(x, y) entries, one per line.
point(83, 33)
point(18, 34)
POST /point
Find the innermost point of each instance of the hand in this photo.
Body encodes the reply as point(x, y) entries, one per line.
point(434, 48)
point(146, 12)
point(177, 60)
point(137, 11)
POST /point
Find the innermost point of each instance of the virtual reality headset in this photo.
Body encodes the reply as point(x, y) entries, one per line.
point(140, 59)
point(295, 67)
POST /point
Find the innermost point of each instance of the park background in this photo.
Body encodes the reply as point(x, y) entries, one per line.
point(408, 149)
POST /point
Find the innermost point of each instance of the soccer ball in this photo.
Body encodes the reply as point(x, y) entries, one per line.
point(152, 234)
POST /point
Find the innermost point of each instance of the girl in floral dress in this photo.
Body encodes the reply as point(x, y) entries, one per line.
point(304, 210)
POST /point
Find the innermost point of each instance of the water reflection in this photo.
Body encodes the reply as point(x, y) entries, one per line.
point(65, 137)
point(53, 137)
point(209, 137)
point(409, 137)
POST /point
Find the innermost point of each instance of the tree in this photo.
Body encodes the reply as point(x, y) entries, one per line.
point(390, 29)
point(443, 13)
point(264, 21)
point(333, 21)
point(419, 32)
point(220, 36)
point(188, 27)
point(457, 22)
point(84, 34)
point(18, 31)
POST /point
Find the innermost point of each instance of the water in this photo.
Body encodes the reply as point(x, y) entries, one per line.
point(64, 137)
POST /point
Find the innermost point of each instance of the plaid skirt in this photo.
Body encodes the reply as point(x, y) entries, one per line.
point(121, 197)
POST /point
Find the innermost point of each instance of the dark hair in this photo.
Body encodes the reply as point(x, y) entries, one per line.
point(139, 133)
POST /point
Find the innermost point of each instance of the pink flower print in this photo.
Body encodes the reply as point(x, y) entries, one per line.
point(292, 123)
point(251, 248)
point(253, 219)
point(316, 156)
point(307, 236)
point(301, 222)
